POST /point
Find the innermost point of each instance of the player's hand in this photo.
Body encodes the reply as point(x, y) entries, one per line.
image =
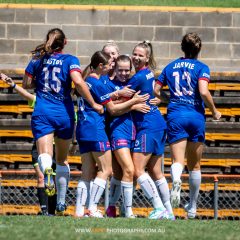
point(140, 98)
point(216, 115)
point(155, 101)
point(141, 107)
point(6, 79)
point(126, 92)
point(98, 108)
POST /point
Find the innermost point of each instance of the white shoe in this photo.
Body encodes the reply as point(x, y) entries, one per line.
point(158, 213)
point(96, 214)
point(191, 212)
point(175, 193)
point(131, 216)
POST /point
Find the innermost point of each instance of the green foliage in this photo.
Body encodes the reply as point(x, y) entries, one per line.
point(196, 3)
point(62, 228)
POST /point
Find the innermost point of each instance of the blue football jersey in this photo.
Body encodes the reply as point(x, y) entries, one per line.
point(53, 83)
point(182, 77)
point(91, 124)
point(152, 121)
point(121, 127)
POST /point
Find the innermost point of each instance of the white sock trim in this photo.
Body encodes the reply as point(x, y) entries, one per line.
point(160, 181)
point(100, 182)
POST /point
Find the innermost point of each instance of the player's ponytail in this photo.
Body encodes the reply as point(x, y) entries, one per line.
point(55, 42)
point(152, 63)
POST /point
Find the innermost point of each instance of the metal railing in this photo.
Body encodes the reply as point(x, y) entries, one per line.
point(219, 196)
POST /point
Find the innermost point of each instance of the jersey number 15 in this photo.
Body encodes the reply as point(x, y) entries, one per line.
point(55, 83)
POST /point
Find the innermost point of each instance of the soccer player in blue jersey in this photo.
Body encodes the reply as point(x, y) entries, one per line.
point(122, 135)
point(94, 145)
point(51, 72)
point(187, 79)
point(150, 136)
point(46, 202)
point(117, 92)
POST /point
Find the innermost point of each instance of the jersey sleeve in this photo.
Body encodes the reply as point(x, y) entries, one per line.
point(74, 64)
point(102, 93)
point(161, 80)
point(204, 74)
point(31, 68)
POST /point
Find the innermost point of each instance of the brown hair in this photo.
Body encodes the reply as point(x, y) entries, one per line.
point(55, 41)
point(191, 45)
point(97, 58)
point(148, 46)
point(124, 58)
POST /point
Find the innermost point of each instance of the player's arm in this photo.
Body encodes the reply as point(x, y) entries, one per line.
point(28, 82)
point(207, 98)
point(121, 108)
point(83, 90)
point(24, 93)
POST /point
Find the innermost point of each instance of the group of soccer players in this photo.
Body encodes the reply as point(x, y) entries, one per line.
point(119, 126)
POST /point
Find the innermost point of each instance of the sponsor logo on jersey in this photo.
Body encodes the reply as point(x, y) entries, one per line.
point(150, 75)
point(74, 66)
point(104, 97)
point(137, 143)
point(206, 75)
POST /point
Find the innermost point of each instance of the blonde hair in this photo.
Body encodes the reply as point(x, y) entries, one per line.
point(111, 43)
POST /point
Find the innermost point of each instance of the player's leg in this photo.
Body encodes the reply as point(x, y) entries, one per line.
point(104, 163)
point(194, 155)
point(83, 188)
point(52, 200)
point(178, 155)
point(45, 151)
point(42, 197)
point(160, 181)
point(62, 172)
point(115, 188)
point(123, 156)
point(148, 186)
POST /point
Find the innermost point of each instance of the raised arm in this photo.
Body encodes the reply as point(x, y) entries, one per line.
point(24, 93)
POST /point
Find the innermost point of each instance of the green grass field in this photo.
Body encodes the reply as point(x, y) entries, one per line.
point(201, 3)
point(68, 228)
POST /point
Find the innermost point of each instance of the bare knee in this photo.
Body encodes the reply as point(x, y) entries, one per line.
point(138, 172)
point(128, 172)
